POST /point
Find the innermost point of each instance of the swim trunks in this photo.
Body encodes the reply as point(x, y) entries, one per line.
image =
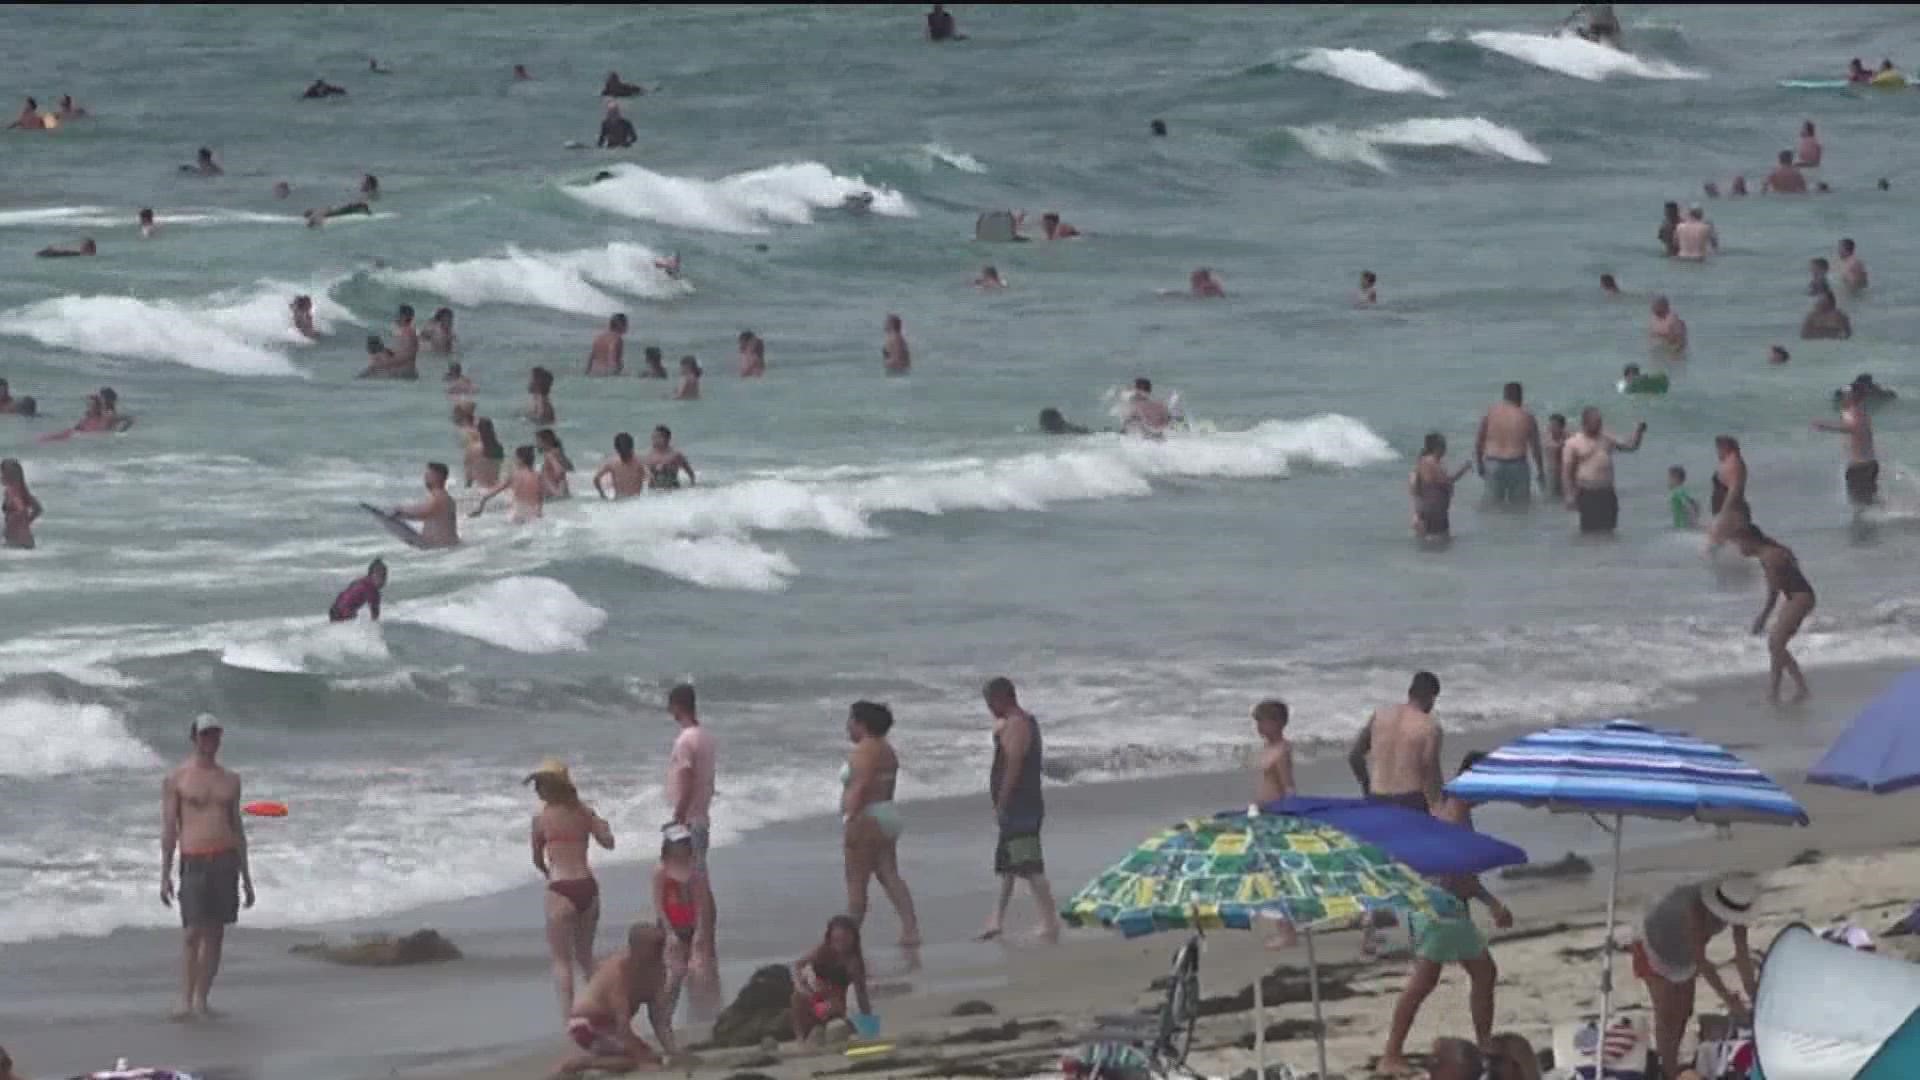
point(1599, 509)
point(1018, 854)
point(1435, 523)
point(209, 889)
point(1448, 940)
point(1411, 800)
point(1508, 480)
point(1863, 483)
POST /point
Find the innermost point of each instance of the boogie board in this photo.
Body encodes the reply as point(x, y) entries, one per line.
point(1814, 84)
point(401, 531)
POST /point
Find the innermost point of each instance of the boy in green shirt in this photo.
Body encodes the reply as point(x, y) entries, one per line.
point(1686, 512)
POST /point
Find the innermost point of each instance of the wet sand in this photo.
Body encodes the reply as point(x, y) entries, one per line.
point(492, 1014)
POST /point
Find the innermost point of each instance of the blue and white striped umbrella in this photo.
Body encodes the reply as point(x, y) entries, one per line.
point(1628, 769)
point(1621, 769)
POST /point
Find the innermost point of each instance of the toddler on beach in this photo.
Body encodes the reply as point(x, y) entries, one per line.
point(676, 908)
point(1273, 779)
point(1686, 511)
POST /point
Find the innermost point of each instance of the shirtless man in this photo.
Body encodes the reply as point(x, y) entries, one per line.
point(1695, 238)
point(1396, 759)
point(1054, 229)
point(406, 341)
point(601, 1022)
point(1785, 179)
point(607, 356)
point(302, 308)
point(29, 118)
point(203, 164)
point(1508, 434)
point(438, 516)
point(1826, 320)
point(384, 363)
point(1146, 414)
point(1203, 285)
point(1863, 468)
point(653, 363)
point(895, 357)
point(1817, 271)
point(200, 817)
point(628, 473)
point(664, 463)
point(1274, 779)
point(1666, 330)
point(1807, 154)
point(529, 489)
point(1853, 272)
point(1586, 472)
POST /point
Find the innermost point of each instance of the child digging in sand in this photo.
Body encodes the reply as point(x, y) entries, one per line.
point(601, 1023)
point(822, 978)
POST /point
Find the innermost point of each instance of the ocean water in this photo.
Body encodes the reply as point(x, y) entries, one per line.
point(855, 536)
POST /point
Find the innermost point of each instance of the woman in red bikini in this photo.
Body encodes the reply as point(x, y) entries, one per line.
point(561, 833)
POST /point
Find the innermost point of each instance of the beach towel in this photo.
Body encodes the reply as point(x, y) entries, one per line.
point(1628, 1045)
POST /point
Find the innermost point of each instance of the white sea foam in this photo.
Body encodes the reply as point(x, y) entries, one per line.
point(952, 158)
point(240, 332)
point(1578, 57)
point(106, 217)
point(525, 614)
point(55, 738)
point(746, 202)
point(577, 282)
point(1364, 146)
point(327, 647)
point(1369, 71)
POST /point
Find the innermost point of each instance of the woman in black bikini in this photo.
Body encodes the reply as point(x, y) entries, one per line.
point(1784, 579)
point(561, 832)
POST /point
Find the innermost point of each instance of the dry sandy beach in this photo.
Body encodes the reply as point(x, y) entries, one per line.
point(490, 1016)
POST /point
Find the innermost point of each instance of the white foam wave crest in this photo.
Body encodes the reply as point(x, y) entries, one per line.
point(56, 738)
point(746, 202)
point(1578, 57)
point(231, 333)
point(571, 281)
point(331, 647)
point(106, 217)
point(1363, 146)
point(1369, 71)
point(525, 614)
point(936, 153)
point(1100, 467)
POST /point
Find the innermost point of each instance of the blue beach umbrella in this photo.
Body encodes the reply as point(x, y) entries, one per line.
point(1880, 751)
point(1427, 844)
point(1624, 768)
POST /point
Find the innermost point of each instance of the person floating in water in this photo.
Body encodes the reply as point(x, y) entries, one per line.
point(147, 225)
point(110, 410)
point(1853, 271)
point(1369, 292)
point(895, 357)
point(1609, 286)
point(359, 593)
point(614, 87)
point(374, 68)
point(1146, 414)
point(616, 131)
point(1203, 284)
point(56, 252)
point(204, 165)
point(438, 335)
point(321, 88)
point(521, 74)
point(318, 217)
point(690, 373)
point(1602, 25)
point(1634, 381)
point(29, 118)
point(941, 27)
point(1686, 509)
point(606, 355)
point(457, 384)
point(1158, 128)
point(1055, 229)
point(302, 309)
point(1052, 423)
point(1857, 72)
point(989, 280)
point(653, 363)
point(1666, 330)
point(753, 355)
point(859, 203)
point(1826, 320)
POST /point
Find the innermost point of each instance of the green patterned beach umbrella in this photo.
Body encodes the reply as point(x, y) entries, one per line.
point(1231, 870)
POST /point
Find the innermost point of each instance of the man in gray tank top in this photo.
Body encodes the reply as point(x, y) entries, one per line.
point(1019, 808)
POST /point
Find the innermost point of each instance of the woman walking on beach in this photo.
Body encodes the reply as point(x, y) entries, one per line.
point(1670, 955)
point(1784, 579)
point(561, 833)
point(872, 821)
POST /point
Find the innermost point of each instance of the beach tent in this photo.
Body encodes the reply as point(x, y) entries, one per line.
point(1623, 769)
point(1880, 751)
point(1828, 1012)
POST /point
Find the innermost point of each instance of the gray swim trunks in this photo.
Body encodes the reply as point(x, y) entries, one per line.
point(209, 889)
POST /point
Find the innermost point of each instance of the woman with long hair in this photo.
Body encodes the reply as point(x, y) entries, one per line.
point(484, 454)
point(18, 508)
point(561, 833)
point(872, 821)
point(822, 978)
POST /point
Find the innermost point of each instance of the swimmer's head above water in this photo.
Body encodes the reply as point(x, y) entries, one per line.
point(1052, 423)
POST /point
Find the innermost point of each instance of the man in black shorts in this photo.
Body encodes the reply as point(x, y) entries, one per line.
point(1018, 808)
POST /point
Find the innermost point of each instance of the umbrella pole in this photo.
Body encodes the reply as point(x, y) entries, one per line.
point(1606, 960)
point(1260, 1021)
point(1319, 1026)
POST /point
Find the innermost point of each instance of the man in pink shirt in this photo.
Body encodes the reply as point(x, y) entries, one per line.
point(690, 770)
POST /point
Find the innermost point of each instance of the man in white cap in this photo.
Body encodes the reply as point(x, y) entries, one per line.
point(1670, 955)
point(200, 817)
